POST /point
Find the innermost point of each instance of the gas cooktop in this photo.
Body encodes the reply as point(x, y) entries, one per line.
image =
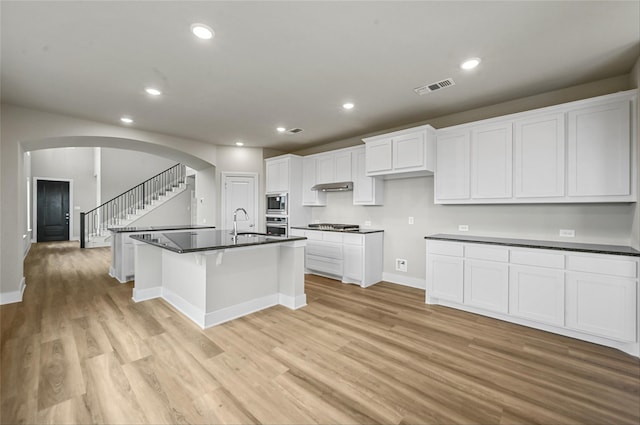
point(333, 226)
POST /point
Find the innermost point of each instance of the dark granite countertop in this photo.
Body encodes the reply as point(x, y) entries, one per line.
point(134, 229)
point(530, 243)
point(208, 240)
point(360, 231)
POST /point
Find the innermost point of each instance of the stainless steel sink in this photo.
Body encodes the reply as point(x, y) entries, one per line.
point(251, 234)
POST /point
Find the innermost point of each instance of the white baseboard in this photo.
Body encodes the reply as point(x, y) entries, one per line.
point(224, 315)
point(13, 296)
point(146, 294)
point(399, 279)
point(293, 303)
point(184, 307)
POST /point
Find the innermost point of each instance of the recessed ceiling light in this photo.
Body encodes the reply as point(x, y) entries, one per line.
point(281, 129)
point(202, 31)
point(152, 91)
point(126, 120)
point(470, 63)
point(239, 144)
point(348, 106)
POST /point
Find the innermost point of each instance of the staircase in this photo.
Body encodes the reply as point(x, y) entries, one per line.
point(130, 206)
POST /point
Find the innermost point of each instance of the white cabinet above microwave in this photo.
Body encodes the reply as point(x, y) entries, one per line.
point(403, 153)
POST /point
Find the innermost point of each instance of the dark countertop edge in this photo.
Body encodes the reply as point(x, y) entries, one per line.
point(541, 244)
point(357, 232)
point(148, 229)
point(218, 247)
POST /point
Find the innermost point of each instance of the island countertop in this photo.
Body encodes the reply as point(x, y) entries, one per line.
point(209, 240)
point(529, 243)
point(139, 229)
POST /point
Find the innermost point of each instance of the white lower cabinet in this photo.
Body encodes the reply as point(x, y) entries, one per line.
point(583, 295)
point(537, 293)
point(602, 305)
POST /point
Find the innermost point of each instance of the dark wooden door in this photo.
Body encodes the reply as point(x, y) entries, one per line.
point(53, 211)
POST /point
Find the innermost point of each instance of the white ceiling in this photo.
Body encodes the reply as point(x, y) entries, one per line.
point(295, 63)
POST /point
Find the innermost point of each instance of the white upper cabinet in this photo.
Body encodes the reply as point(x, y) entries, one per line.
point(342, 161)
point(583, 151)
point(311, 197)
point(539, 147)
point(366, 190)
point(404, 153)
point(491, 161)
point(333, 167)
point(277, 175)
point(453, 163)
point(599, 146)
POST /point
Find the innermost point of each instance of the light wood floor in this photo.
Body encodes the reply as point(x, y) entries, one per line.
point(78, 350)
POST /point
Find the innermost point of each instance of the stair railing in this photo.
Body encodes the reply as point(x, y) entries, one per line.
point(113, 212)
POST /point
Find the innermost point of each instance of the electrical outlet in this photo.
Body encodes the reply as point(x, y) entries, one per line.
point(316, 221)
point(367, 223)
point(463, 228)
point(410, 220)
point(401, 264)
point(568, 233)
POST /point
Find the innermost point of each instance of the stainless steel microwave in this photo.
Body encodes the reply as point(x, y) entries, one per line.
point(277, 204)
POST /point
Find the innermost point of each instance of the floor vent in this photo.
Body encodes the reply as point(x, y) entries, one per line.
point(428, 88)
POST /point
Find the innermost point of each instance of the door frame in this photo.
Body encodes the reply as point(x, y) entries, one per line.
point(224, 175)
point(34, 207)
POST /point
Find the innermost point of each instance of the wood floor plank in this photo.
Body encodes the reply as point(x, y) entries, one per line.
point(79, 350)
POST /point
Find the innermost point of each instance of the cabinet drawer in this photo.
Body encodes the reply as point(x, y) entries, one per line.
point(487, 252)
point(539, 258)
point(332, 237)
point(323, 264)
point(352, 239)
point(313, 235)
point(610, 265)
point(445, 248)
point(327, 250)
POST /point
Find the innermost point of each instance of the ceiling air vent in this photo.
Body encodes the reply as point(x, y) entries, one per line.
point(434, 86)
point(294, 130)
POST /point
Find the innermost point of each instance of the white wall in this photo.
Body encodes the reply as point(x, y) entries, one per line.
point(124, 169)
point(206, 196)
point(75, 164)
point(23, 129)
point(177, 211)
point(593, 223)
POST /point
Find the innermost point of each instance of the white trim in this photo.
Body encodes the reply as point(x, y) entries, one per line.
point(13, 296)
point(146, 294)
point(292, 303)
point(184, 307)
point(413, 282)
point(34, 196)
point(229, 313)
point(224, 175)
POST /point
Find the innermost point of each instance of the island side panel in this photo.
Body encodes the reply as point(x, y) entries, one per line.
point(184, 279)
point(241, 281)
point(291, 275)
point(148, 282)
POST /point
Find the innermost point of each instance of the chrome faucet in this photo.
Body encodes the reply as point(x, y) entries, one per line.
point(235, 219)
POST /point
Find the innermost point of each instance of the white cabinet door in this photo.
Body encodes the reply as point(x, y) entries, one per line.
point(599, 148)
point(486, 285)
point(310, 197)
point(539, 156)
point(537, 293)
point(408, 151)
point(366, 190)
point(602, 305)
point(453, 162)
point(342, 161)
point(379, 158)
point(353, 262)
point(325, 169)
point(445, 277)
point(277, 175)
point(492, 161)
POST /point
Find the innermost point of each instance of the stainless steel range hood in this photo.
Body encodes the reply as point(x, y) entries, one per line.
point(333, 187)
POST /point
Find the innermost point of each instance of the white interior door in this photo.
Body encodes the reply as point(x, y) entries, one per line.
point(240, 191)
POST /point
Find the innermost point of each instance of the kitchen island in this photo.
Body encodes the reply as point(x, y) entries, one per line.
point(212, 276)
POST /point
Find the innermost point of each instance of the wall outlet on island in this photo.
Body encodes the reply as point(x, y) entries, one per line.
point(568, 233)
point(410, 220)
point(367, 223)
point(401, 264)
point(463, 228)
